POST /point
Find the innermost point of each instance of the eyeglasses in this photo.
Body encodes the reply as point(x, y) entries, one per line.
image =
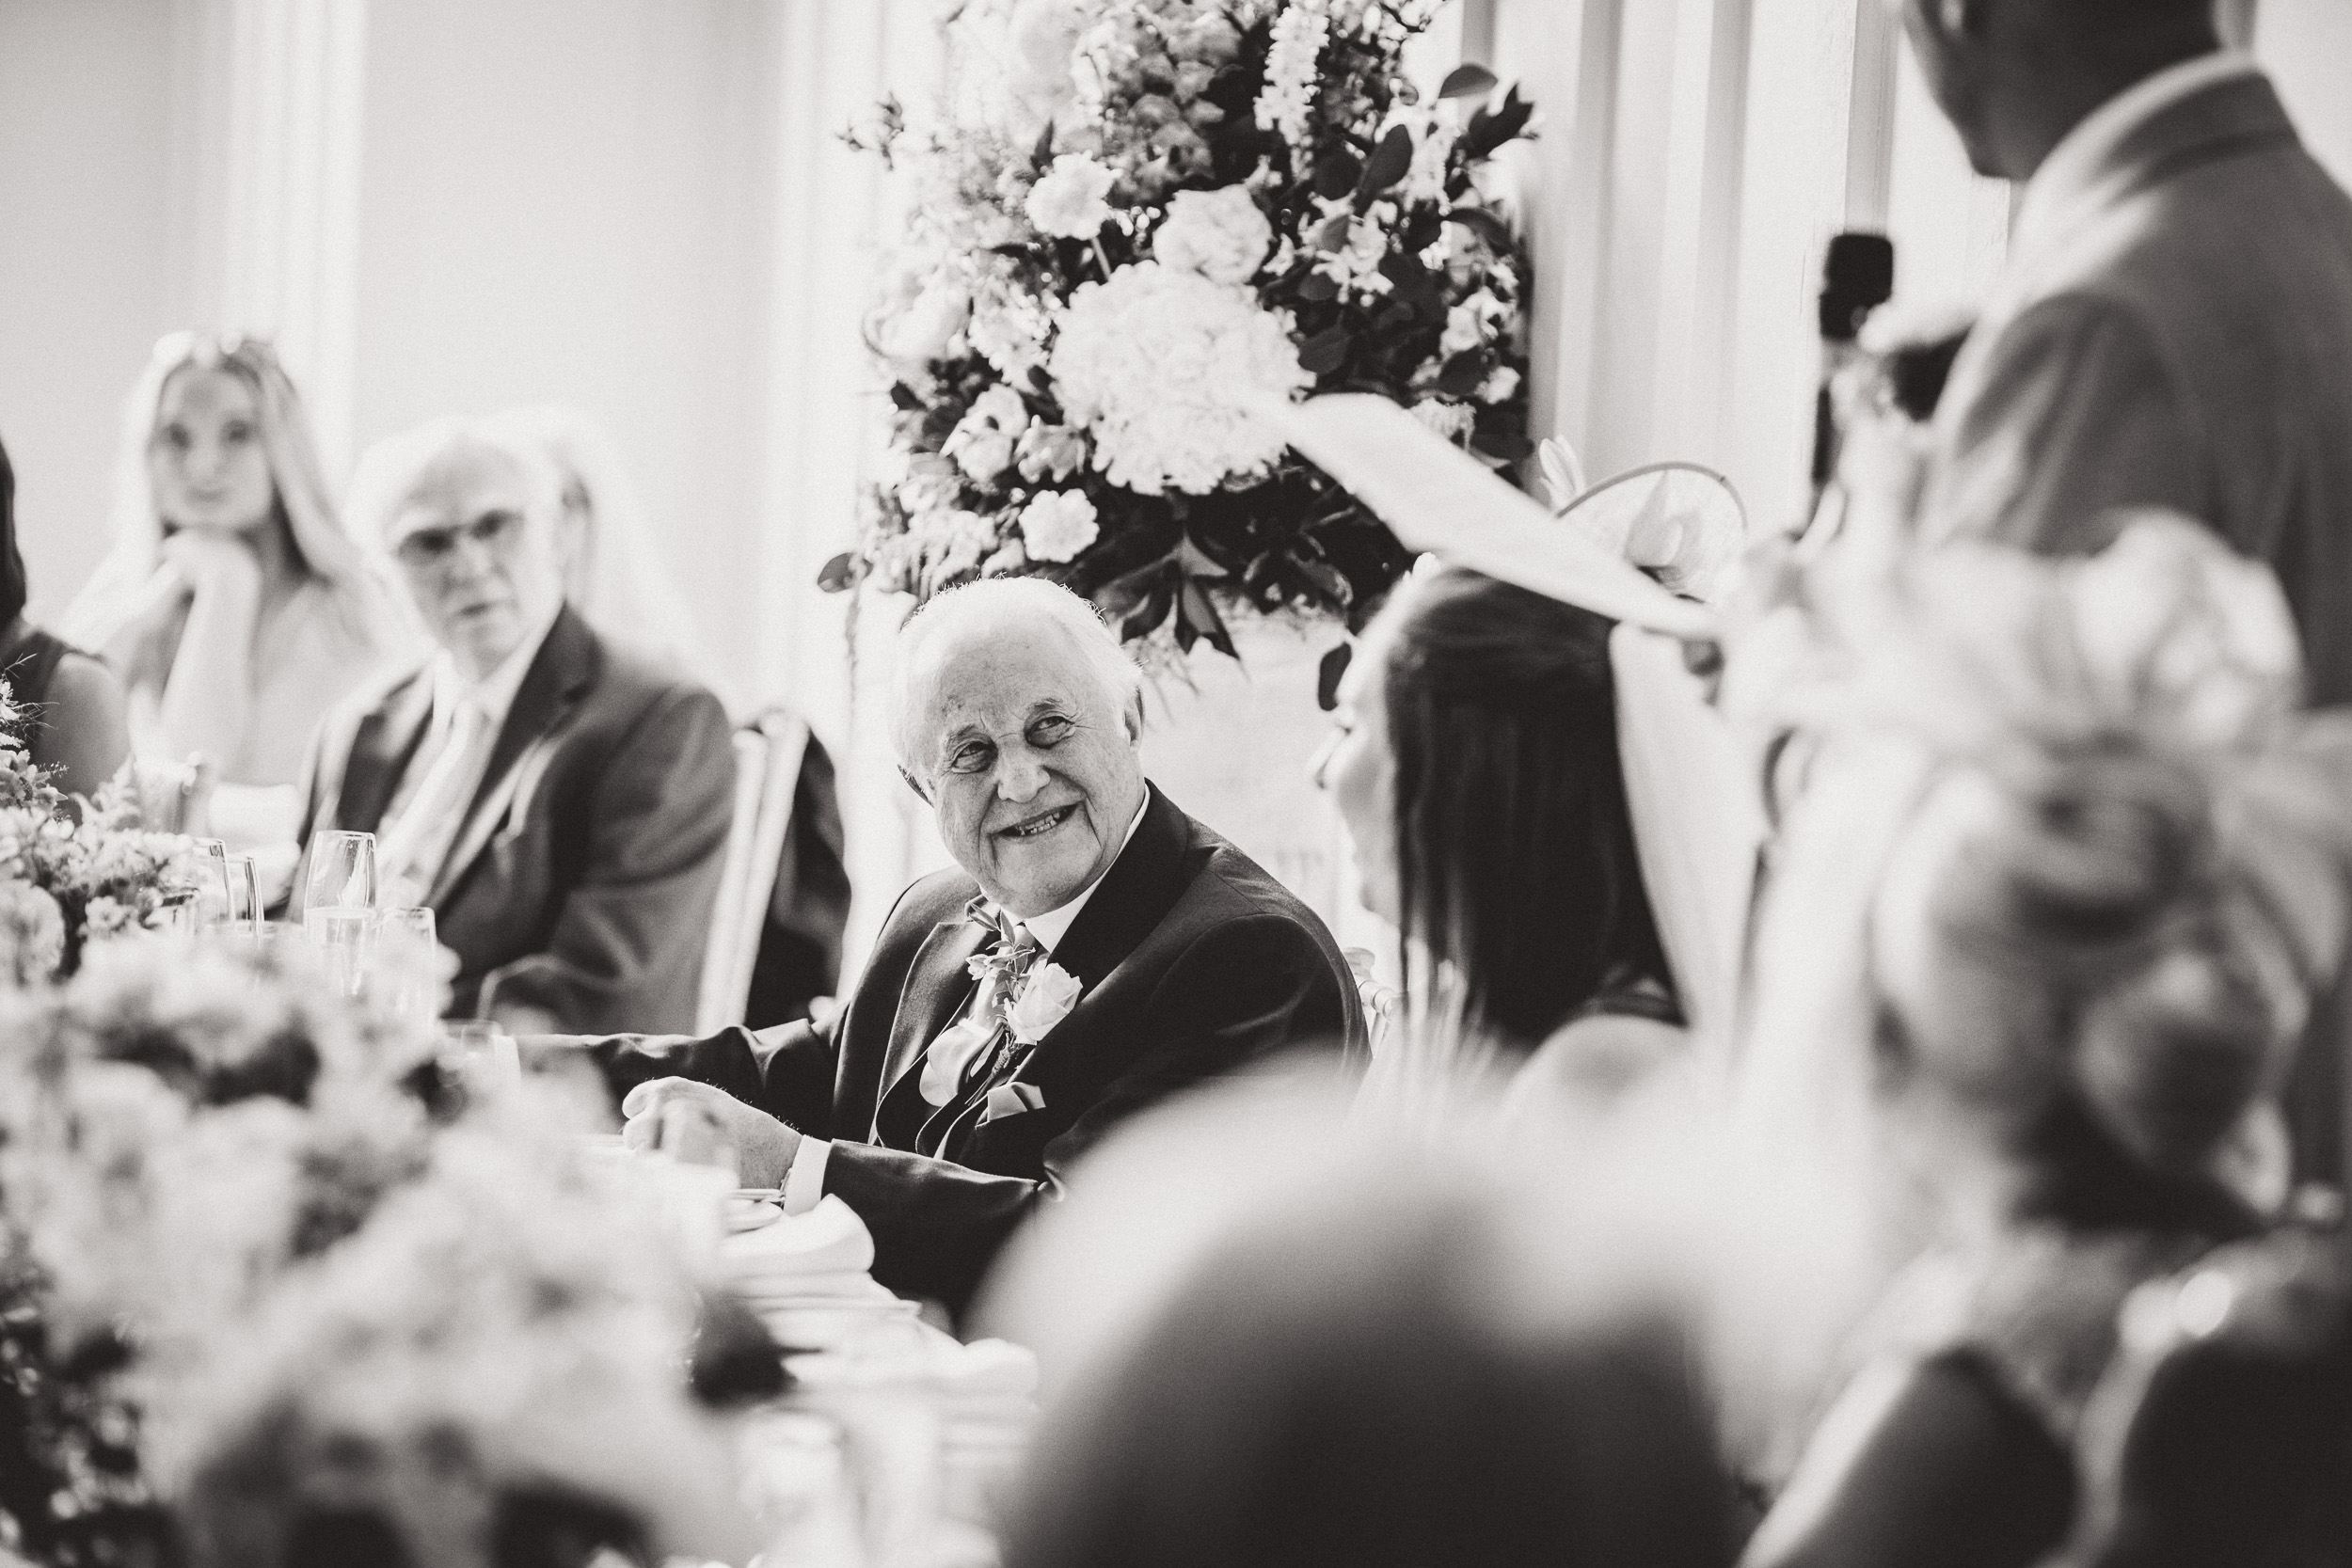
point(429, 548)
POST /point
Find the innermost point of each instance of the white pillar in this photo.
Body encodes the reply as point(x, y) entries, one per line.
point(266, 98)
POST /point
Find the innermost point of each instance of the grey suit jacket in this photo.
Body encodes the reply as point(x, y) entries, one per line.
point(583, 877)
point(2182, 339)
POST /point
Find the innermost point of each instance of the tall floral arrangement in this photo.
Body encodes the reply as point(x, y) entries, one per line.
point(1132, 220)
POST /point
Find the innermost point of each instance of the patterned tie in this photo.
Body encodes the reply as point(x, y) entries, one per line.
point(983, 1041)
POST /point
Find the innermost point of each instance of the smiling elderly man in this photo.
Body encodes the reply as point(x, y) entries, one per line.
point(1097, 951)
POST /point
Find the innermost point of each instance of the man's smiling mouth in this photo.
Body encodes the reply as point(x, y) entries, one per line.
point(1038, 826)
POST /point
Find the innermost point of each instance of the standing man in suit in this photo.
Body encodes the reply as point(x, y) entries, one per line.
point(558, 801)
point(1097, 951)
point(2174, 329)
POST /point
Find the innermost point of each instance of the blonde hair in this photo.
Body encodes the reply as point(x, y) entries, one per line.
point(371, 614)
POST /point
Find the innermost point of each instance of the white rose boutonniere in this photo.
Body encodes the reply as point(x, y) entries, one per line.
point(1045, 1000)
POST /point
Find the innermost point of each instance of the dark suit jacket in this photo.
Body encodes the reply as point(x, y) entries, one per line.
point(1194, 963)
point(2186, 342)
point(583, 878)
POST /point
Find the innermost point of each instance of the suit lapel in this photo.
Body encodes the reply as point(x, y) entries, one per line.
point(567, 665)
point(381, 748)
point(1134, 897)
point(938, 984)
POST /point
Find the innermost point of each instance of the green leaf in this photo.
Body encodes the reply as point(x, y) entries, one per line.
point(1332, 235)
point(1502, 444)
point(1487, 131)
point(1200, 611)
point(1484, 224)
point(1329, 672)
point(1389, 162)
point(1464, 374)
point(839, 573)
point(1194, 562)
point(1326, 351)
point(1468, 80)
point(1328, 579)
point(1318, 288)
point(1336, 173)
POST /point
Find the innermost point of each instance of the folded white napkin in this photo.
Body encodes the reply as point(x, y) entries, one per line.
point(829, 1240)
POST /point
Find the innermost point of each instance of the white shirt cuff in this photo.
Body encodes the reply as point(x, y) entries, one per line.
point(804, 1180)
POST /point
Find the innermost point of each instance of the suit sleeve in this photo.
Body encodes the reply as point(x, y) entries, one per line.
point(1244, 990)
point(786, 1071)
point(2079, 414)
point(639, 913)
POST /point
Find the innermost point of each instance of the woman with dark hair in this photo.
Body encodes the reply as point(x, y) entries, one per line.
point(73, 706)
point(1475, 764)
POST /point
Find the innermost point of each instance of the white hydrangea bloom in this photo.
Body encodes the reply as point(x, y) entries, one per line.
point(1158, 363)
point(1056, 524)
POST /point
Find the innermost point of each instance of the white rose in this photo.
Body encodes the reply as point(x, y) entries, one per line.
point(1038, 42)
point(1055, 526)
point(1046, 997)
point(1465, 330)
point(1072, 202)
point(932, 485)
point(982, 442)
point(1051, 449)
point(1220, 234)
point(1499, 387)
point(924, 329)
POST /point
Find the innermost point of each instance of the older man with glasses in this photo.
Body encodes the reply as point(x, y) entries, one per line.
point(559, 800)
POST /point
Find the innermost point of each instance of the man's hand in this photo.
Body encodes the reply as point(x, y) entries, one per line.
point(703, 1125)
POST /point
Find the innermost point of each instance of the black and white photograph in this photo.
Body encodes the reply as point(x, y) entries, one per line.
point(1175, 784)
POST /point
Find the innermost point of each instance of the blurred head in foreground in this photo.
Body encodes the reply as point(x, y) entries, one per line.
point(1387, 1362)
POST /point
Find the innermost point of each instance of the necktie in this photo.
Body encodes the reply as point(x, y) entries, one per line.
point(418, 838)
point(964, 1046)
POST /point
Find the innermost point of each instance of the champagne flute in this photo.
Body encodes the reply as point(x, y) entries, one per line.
point(406, 937)
point(215, 903)
point(342, 874)
point(244, 896)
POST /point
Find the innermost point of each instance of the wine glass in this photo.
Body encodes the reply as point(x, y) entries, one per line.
point(479, 1057)
point(406, 940)
point(244, 896)
point(215, 903)
point(343, 875)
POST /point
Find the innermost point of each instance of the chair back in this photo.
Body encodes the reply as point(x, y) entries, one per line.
point(768, 753)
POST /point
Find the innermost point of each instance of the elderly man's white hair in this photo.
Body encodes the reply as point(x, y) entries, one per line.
point(388, 471)
point(995, 602)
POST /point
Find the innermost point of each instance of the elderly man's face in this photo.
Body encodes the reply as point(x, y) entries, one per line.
point(483, 572)
point(1021, 748)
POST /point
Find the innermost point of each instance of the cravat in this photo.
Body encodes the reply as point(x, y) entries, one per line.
point(963, 1046)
